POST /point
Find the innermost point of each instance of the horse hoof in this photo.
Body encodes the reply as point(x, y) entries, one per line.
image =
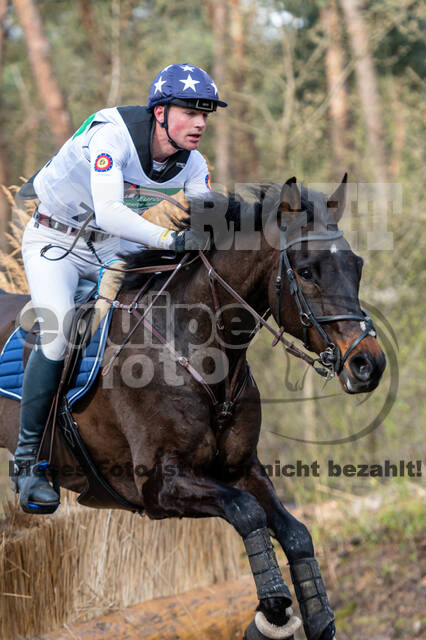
point(253, 633)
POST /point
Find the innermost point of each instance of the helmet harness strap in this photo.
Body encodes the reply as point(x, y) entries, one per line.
point(165, 125)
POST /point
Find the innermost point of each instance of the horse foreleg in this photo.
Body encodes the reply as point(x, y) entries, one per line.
point(185, 494)
point(296, 541)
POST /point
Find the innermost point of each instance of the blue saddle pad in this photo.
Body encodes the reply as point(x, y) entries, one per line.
point(12, 368)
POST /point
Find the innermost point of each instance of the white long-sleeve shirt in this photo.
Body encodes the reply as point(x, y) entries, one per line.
point(93, 170)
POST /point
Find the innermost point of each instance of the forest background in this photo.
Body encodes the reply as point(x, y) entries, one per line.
point(314, 89)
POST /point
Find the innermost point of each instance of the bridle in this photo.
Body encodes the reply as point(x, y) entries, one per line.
point(330, 361)
point(331, 358)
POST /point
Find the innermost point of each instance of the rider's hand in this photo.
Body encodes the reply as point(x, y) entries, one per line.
point(189, 240)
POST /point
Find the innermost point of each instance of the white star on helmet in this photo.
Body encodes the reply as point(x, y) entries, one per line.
point(186, 67)
point(214, 87)
point(189, 83)
point(158, 85)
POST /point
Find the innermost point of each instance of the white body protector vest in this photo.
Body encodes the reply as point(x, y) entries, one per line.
point(100, 167)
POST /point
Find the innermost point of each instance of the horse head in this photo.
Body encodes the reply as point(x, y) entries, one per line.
point(315, 295)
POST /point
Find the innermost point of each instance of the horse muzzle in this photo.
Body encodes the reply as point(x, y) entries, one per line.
point(363, 371)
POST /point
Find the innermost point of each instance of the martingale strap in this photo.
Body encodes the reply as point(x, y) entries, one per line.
point(233, 388)
point(329, 362)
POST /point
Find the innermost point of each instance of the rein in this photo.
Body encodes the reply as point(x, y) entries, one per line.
point(330, 361)
point(278, 335)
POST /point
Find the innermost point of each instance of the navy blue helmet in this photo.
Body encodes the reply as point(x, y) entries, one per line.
point(185, 85)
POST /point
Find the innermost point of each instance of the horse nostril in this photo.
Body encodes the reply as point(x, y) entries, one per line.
point(361, 366)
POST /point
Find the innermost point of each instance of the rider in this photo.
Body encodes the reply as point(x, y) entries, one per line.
point(113, 152)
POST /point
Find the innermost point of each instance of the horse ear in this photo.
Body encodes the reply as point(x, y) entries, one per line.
point(290, 196)
point(337, 201)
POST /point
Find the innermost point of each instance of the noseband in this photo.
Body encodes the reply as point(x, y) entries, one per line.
point(331, 358)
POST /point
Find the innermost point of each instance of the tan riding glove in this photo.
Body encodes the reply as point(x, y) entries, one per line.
point(165, 214)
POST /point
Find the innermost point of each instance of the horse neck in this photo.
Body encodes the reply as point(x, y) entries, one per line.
point(247, 272)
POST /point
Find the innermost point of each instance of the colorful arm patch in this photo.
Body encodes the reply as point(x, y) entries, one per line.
point(103, 162)
point(208, 182)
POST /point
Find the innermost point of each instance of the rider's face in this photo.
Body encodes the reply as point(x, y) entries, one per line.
point(186, 126)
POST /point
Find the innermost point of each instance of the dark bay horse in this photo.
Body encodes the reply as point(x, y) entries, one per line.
point(152, 419)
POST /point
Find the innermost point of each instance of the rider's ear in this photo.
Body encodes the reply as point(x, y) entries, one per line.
point(159, 113)
point(290, 196)
point(337, 201)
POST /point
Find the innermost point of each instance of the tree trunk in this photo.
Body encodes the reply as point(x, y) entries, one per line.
point(218, 18)
point(335, 65)
point(289, 95)
point(368, 87)
point(3, 11)
point(4, 207)
point(244, 157)
point(398, 133)
point(48, 87)
point(114, 89)
point(92, 33)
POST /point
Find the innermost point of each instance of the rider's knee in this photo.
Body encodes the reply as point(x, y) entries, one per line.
point(54, 349)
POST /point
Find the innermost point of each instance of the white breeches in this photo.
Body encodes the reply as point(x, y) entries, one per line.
point(53, 284)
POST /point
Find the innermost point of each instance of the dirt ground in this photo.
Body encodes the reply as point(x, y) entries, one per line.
point(372, 552)
point(376, 583)
point(378, 591)
point(375, 578)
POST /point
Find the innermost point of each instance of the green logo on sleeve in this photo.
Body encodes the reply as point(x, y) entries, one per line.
point(86, 124)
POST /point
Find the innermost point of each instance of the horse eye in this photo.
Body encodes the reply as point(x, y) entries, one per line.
point(305, 273)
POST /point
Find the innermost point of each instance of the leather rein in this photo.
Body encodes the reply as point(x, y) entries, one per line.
point(330, 361)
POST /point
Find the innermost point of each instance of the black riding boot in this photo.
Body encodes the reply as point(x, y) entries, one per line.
point(40, 384)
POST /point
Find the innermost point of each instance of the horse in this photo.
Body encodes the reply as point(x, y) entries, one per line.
point(188, 440)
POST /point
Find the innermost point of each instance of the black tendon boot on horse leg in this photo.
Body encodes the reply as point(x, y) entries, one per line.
point(41, 380)
point(187, 495)
point(295, 539)
point(275, 616)
point(312, 597)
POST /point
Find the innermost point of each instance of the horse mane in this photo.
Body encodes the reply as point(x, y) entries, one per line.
point(246, 202)
point(144, 258)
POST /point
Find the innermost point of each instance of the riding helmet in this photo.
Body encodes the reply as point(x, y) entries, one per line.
point(185, 85)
